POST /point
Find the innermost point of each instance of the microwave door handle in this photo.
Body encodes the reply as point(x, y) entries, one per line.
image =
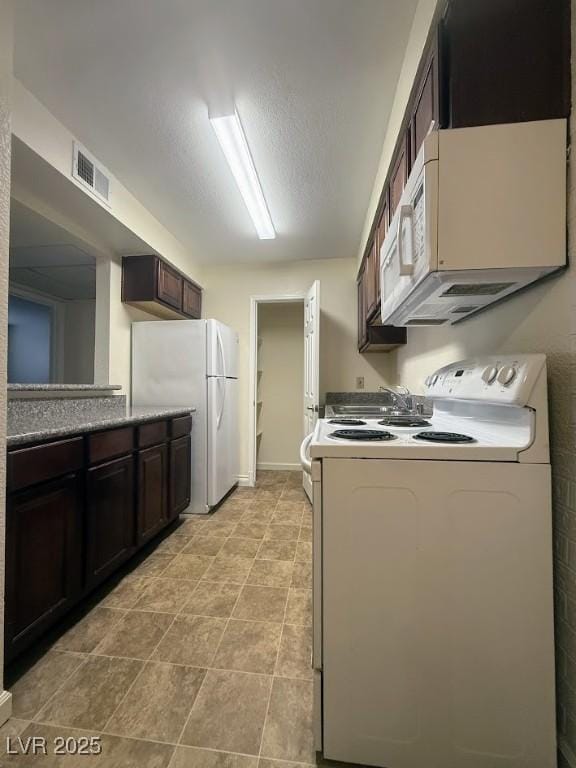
point(406, 212)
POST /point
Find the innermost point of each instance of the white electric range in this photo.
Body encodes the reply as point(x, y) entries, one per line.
point(433, 624)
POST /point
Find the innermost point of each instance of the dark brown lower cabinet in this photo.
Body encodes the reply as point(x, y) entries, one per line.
point(152, 491)
point(77, 509)
point(180, 471)
point(110, 518)
point(43, 558)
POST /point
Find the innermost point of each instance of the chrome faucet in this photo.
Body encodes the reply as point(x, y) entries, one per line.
point(401, 397)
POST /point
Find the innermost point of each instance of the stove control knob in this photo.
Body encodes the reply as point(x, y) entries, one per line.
point(507, 375)
point(489, 374)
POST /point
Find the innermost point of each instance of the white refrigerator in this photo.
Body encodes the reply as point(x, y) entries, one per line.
point(194, 363)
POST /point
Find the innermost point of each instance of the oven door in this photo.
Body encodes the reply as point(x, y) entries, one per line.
point(409, 251)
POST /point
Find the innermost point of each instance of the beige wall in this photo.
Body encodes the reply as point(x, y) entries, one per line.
point(227, 298)
point(79, 318)
point(5, 109)
point(281, 385)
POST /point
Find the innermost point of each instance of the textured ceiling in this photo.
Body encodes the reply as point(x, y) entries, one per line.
point(313, 81)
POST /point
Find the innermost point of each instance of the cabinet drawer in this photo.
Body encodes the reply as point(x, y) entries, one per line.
point(110, 444)
point(29, 466)
point(180, 427)
point(152, 434)
point(169, 285)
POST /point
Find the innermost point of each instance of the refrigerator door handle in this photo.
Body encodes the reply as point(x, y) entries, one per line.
point(222, 381)
point(221, 348)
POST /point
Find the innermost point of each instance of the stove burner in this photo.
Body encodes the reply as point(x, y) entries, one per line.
point(366, 435)
point(348, 422)
point(402, 421)
point(444, 437)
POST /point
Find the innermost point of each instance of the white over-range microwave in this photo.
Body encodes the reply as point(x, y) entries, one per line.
point(482, 216)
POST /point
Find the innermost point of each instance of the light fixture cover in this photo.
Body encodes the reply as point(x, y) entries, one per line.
point(233, 142)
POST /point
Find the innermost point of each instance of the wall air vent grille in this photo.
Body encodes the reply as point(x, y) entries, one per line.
point(477, 289)
point(90, 174)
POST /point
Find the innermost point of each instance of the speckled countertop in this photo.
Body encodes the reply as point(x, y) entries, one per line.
point(34, 426)
point(63, 387)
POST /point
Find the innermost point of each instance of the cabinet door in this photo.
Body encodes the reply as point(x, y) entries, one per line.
point(399, 175)
point(191, 300)
point(180, 476)
point(169, 285)
point(110, 521)
point(425, 116)
point(371, 278)
point(43, 558)
point(152, 491)
point(362, 325)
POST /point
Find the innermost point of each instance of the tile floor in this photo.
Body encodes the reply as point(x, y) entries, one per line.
point(197, 658)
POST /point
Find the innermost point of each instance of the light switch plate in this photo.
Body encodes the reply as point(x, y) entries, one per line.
point(359, 382)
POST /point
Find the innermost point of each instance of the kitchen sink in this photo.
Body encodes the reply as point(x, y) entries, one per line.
point(362, 410)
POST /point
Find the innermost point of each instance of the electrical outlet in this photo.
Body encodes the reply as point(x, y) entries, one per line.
point(359, 382)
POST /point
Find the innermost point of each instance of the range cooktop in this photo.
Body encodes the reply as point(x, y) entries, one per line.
point(444, 437)
point(403, 421)
point(366, 435)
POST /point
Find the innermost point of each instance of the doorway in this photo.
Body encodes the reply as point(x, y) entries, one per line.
point(307, 371)
point(280, 394)
point(280, 317)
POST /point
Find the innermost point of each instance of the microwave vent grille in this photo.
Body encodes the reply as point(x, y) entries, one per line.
point(464, 310)
point(426, 321)
point(477, 289)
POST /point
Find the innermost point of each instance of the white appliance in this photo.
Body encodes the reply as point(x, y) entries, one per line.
point(482, 216)
point(432, 592)
point(194, 363)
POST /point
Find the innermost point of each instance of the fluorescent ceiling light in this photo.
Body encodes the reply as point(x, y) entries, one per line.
point(229, 132)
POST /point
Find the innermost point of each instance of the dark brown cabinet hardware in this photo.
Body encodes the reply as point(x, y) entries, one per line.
point(151, 284)
point(475, 70)
point(79, 508)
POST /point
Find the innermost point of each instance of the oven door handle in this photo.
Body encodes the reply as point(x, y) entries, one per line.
point(405, 270)
point(304, 458)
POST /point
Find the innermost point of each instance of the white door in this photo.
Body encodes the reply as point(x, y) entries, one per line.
point(222, 437)
point(311, 367)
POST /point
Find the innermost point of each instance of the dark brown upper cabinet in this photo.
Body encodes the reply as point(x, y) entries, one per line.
point(151, 284)
point(425, 116)
point(399, 173)
point(486, 62)
point(505, 61)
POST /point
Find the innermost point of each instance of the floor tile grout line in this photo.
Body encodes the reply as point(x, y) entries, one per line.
point(62, 684)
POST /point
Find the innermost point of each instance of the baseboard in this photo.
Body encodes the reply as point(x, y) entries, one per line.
point(5, 706)
point(567, 753)
point(289, 467)
point(244, 481)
